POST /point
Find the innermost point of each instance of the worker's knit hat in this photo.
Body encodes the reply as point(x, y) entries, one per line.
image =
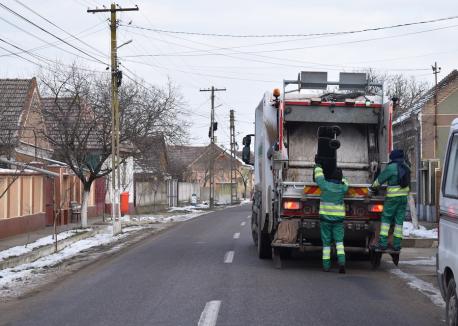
point(396, 154)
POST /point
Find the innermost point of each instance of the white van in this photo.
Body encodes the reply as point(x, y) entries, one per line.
point(447, 256)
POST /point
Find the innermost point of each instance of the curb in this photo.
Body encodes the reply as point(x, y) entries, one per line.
point(419, 243)
point(44, 250)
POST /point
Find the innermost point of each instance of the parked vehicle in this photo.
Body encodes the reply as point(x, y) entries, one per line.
point(447, 256)
point(286, 141)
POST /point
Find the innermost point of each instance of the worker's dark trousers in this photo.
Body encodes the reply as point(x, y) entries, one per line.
point(332, 231)
point(394, 212)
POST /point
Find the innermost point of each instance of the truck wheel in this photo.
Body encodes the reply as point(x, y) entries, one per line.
point(451, 308)
point(254, 228)
point(264, 247)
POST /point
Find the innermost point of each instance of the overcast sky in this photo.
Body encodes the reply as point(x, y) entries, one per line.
point(246, 67)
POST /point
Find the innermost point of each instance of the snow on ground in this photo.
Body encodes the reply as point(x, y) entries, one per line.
point(18, 274)
point(420, 262)
point(424, 287)
point(21, 250)
point(184, 213)
point(422, 232)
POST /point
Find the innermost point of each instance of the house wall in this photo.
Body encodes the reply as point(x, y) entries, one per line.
point(22, 204)
point(447, 108)
point(199, 173)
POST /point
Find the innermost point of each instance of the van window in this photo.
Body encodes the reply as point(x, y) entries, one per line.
point(451, 178)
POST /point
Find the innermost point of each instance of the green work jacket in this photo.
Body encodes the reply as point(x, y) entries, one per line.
point(332, 207)
point(390, 176)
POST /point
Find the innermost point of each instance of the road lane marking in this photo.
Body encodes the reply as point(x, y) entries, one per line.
point(237, 235)
point(209, 316)
point(229, 257)
point(248, 217)
point(243, 223)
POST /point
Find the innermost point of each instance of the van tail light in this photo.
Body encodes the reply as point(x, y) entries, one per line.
point(291, 204)
point(377, 208)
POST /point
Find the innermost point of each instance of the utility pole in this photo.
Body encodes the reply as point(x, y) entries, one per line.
point(212, 142)
point(233, 153)
point(436, 70)
point(116, 76)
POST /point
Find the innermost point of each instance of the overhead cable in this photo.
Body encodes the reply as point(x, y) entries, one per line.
point(296, 35)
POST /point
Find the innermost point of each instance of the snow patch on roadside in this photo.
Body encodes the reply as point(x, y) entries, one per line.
point(420, 262)
point(18, 275)
point(409, 231)
point(424, 287)
point(24, 249)
point(191, 212)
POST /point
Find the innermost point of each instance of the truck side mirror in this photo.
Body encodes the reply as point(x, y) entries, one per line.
point(246, 152)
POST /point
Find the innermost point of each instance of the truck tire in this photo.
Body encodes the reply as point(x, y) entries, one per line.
point(451, 308)
point(264, 241)
point(254, 228)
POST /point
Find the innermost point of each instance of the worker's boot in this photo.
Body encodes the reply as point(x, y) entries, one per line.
point(342, 269)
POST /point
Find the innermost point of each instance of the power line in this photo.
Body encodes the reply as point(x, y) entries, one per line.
point(204, 52)
point(61, 29)
point(296, 35)
point(43, 40)
point(53, 35)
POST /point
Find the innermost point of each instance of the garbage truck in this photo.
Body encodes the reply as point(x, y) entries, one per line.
point(285, 149)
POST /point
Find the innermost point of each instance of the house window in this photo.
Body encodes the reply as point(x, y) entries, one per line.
point(451, 177)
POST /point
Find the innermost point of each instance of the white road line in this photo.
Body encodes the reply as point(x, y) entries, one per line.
point(248, 217)
point(243, 223)
point(229, 257)
point(237, 235)
point(209, 316)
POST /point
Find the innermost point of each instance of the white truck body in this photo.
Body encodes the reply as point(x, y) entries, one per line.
point(447, 258)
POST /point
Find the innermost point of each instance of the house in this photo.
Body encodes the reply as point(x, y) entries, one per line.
point(21, 122)
point(58, 114)
point(195, 163)
point(422, 133)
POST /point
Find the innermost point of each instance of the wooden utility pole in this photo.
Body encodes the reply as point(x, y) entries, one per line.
point(212, 142)
point(115, 83)
point(233, 154)
point(436, 70)
point(437, 171)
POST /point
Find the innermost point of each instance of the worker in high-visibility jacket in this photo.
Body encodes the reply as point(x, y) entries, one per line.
point(332, 215)
point(397, 177)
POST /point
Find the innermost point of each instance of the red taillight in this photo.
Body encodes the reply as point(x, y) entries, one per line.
point(377, 208)
point(291, 204)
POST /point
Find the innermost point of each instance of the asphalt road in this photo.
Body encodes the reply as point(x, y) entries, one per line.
point(189, 274)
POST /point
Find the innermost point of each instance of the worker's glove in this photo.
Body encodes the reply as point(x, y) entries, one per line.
point(373, 190)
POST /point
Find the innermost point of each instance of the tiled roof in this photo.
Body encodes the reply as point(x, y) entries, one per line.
point(61, 115)
point(14, 94)
point(418, 106)
point(185, 154)
point(153, 149)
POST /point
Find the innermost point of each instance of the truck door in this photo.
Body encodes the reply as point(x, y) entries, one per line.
point(448, 243)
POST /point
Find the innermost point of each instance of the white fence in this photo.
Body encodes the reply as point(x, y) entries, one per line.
point(185, 191)
point(150, 194)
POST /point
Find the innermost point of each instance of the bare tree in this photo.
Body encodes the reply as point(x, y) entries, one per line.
point(78, 118)
point(406, 89)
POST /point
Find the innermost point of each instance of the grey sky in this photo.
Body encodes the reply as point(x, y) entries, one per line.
point(194, 62)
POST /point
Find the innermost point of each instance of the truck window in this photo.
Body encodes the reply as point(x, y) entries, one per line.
point(451, 178)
